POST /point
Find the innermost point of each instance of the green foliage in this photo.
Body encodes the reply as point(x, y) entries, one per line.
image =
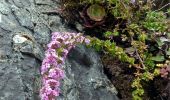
point(137, 94)
point(147, 76)
point(143, 34)
point(156, 72)
point(111, 48)
point(168, 52)
point(149, 63)
point(158, 58)
point(142, 37)
point(138, 89)
point(155, 21)
point(110, 34)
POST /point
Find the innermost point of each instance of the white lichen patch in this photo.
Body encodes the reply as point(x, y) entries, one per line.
point(19, 39)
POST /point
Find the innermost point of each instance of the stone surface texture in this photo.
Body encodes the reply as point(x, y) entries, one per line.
point(24, 32)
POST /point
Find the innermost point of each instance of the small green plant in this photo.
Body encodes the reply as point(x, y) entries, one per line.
point(155, 21)
point(96, 12)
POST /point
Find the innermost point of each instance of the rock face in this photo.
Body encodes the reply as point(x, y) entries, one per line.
point(24, 32)
point(85, 79)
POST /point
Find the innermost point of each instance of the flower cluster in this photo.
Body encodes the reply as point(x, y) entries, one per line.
point(165, 71)
point(52, 65)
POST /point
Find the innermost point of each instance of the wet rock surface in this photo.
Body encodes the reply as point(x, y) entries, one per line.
point(24, 32)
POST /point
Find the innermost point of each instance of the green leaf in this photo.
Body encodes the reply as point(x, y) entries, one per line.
point(116, 33)
point(168, 52)
point(168, 11)
point(107, 34)
point(160, 43)
point(168, 35)
point(142, 37)
point(97, 47)
point(158, 58)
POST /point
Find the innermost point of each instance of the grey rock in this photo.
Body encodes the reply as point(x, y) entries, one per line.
point(24, 32)
point(24, 18)
point(56, 22)
point(42, 33)
point(26, 44)
point(4, 8)
point(43, 2)
point(22, 3)
point(85, 79)
point(79, 27)
point(9, 22)
point(12, 85)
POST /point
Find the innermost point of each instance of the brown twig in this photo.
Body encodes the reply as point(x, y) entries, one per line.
point(140, 59)
point(163, 7)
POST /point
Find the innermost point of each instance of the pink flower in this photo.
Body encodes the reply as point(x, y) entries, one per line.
point(132, 1)
point(168, 69)
point(51, 52)
point(80, 39)
point(55, 35)
point(87, 41)
point(53, 44)
point(45, 67)
point(52, 83)
point(47, 93)
point(56, 53)
point(56, 73)
point(165, 71)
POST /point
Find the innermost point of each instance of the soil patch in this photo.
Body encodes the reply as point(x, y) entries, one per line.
point(122, 76)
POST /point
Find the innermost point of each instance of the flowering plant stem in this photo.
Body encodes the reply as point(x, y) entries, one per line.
point(52, 66)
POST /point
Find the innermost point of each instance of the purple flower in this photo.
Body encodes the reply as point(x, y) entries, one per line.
point(165, 71)
point(51, 52)
point(55, 35)
point(52, 83)
point(80, 39)
point(47, 93)
point(87, 41)
point(44, 68)
point(56, 73)
point(132, 1)
point(56, 53)
point(53, 44)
